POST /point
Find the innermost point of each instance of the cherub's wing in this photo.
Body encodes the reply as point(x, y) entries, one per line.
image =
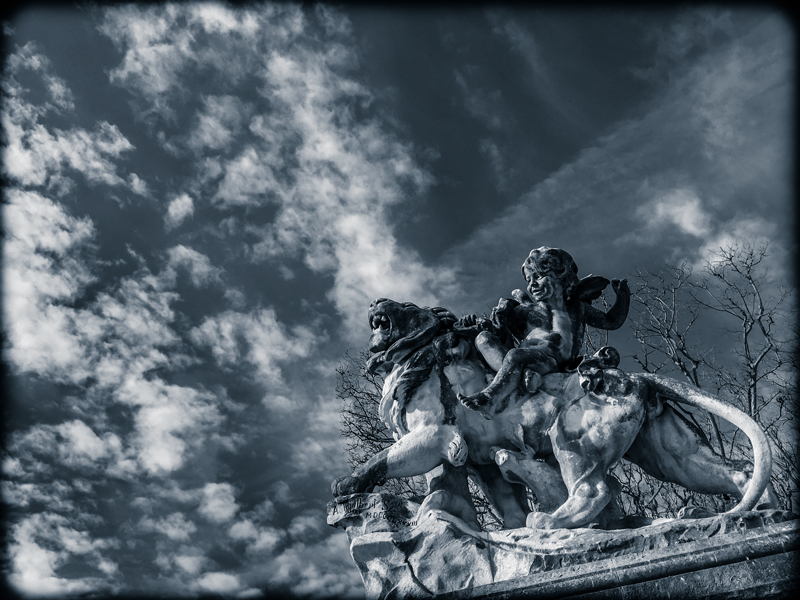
point(590, 287)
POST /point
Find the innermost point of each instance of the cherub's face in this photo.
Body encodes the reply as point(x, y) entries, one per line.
point(540, 285)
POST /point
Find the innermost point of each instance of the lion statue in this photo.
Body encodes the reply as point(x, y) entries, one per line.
point(560, 441)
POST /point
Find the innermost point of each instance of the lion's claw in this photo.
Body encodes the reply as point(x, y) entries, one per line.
point(480, 402)
point(475, 401)
point(344, 486)
point(540, 520)
point(457, 451)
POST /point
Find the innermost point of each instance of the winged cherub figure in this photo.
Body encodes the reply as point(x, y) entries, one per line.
point(549, 319)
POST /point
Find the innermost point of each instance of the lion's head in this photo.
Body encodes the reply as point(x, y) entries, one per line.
point(399, 328)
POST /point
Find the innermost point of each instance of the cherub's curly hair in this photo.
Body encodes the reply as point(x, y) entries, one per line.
point(555, 261)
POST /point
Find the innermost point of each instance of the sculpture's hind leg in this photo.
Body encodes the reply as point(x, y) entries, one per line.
point(508, 499)
point(448, 490)
point(588, 438)
point(543, 480)
point(671, 448)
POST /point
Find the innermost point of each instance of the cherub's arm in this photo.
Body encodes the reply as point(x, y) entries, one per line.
point(617, 314)
point(495, 322)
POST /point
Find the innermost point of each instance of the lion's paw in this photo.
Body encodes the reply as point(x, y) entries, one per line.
point(540, 520)
point(480, 402)
point(457, 451)
point(345, 486)
point(475, 401)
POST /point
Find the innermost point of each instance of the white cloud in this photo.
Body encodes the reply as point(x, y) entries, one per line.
point(175, 526)
point(180, 208)
point(266, 541)
point(218, 123)
point(28, 58)
point(321, 448)
point(243, 530)
point(137, 185)
point(248, 179)
point(681, 208)
point(306, 526)
point(35, 155)
point(492, 152)
point(42, 274)
point(257, 337)
point(53, 495)
point(131, 413)
point(171, 421)
point(44, 542)
point(219, 502)
point(524, 43)
point(117, 339)
point(82, 441)
point(191, 564)
point(749, 230)
point(82, 447)
point(282, 493)
point(160, 42)
point(261, 540)
point(219, 583)
point(199, 267)
point(321, 569)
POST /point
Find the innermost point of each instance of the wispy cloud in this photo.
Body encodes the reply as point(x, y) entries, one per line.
point(539, 73)
point(331, 176)
point(710, 150)
point(487, 107)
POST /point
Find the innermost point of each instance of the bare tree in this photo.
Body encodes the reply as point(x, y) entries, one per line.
point(730, 330)
point(360, 392)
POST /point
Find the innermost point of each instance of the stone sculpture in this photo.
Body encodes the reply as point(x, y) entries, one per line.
point(548, 421)
point(549, 323)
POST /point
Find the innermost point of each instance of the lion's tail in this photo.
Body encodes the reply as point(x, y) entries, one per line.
point(762, 455)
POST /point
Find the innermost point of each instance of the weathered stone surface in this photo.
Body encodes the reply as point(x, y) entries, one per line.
point(573, 428)
point(403, 556)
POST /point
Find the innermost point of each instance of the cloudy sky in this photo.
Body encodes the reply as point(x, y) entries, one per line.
point(201, 201)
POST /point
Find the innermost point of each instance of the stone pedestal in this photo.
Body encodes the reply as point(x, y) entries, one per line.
point(401, 555)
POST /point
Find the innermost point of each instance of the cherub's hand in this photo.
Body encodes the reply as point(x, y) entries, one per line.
point(504, 306)
point(620, 287)
point(468, 321)
point(521, 297)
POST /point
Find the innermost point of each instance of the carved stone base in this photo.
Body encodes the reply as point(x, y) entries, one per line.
point(403, 555)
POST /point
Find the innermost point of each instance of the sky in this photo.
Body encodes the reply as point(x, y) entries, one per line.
point(201, 201)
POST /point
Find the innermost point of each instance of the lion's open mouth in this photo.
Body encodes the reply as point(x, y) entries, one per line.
point(381, 332)
point(380, 323)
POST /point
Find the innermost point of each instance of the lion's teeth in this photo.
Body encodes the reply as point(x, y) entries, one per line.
point(380, 322)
